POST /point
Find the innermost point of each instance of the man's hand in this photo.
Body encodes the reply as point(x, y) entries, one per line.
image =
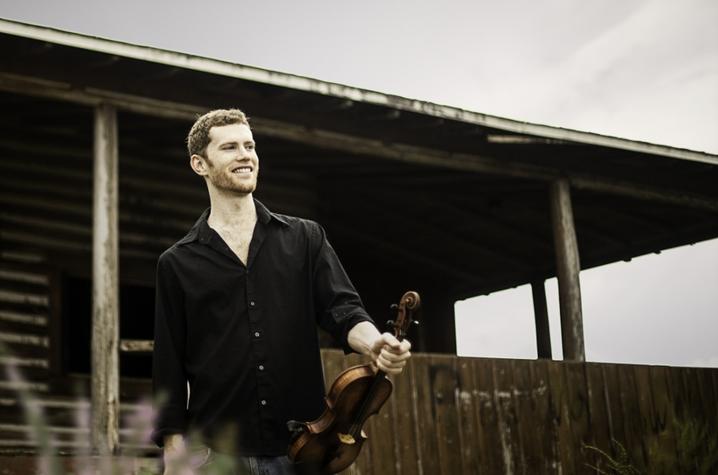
point(386, 352)
point(390, 354)
point(175, 456)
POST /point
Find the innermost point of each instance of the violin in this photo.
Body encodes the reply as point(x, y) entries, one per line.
point(332, 442)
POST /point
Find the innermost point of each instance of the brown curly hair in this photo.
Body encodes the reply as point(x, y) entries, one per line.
point(198, 137)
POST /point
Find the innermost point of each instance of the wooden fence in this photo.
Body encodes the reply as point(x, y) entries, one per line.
point(451, 415)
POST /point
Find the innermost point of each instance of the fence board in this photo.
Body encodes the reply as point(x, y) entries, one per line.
point(544, 423)
point(491, 459)
point(664, 418)
point(614, 408)
point(560, 414)
point(509, 434)
point(598, 408)
point(631, 416)
point(644, 400)
point(444, 382)
point(470, 435)
point(709, 403)
point(579, 419)
point(426, 422)
point(405, 429)
point(525, 399)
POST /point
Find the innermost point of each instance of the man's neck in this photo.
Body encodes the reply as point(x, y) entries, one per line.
point(231, 211)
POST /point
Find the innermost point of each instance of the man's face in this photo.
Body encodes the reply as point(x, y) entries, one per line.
point(231, 158)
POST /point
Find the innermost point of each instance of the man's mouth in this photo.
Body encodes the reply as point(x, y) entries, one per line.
point(241, 170)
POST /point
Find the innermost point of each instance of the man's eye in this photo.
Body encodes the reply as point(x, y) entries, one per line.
point(249, 146)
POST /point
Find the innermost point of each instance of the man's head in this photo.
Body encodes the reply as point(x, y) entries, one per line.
point(222, 150)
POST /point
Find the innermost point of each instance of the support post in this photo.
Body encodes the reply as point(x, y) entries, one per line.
point(543, 335)
point(567, 269)
point(105, 285)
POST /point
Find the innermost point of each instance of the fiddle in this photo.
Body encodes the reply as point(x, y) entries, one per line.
point(332, 442)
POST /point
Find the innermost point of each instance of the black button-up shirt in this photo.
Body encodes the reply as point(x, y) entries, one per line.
point(245, 337)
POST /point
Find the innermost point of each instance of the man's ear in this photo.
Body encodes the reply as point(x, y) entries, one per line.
point(198, 164)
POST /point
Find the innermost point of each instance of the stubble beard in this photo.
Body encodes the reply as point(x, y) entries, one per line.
point(222, 181)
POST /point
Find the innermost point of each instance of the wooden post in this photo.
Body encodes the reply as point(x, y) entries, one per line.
point(567, 269)
point(105, 287)
point(543, 335)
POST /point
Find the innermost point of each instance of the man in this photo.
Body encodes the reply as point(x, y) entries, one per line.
point(238, 301)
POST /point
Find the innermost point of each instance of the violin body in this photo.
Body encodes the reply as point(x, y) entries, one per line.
point(333, 441)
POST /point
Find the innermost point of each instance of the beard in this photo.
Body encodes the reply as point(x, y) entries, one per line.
point(225, 181)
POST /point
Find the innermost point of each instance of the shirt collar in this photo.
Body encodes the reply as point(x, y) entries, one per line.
point(200, 229)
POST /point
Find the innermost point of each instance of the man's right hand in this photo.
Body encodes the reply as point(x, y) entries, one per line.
point(175, 456)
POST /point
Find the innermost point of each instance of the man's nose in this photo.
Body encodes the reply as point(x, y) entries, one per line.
point(244, 153)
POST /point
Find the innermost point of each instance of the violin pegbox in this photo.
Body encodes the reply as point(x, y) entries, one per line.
point(409, 304)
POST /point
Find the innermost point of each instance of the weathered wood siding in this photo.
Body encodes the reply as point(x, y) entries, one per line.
point(452, 415)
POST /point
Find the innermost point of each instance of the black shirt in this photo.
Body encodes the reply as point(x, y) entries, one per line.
point(245, 337)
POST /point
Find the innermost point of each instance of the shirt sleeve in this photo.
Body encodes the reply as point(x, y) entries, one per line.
point(169, 380)
point(337, 302)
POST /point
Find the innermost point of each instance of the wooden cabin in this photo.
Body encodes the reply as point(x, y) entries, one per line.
point(95, 184)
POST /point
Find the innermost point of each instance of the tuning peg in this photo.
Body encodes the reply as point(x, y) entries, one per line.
point(390, 322)
point(393, 306)
point(415, 322)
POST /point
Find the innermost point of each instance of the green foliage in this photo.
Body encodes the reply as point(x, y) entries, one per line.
point(696, 453)
point(620, 465)
point(696, 450)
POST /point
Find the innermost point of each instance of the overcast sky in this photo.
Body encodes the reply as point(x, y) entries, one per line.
point(644, 70)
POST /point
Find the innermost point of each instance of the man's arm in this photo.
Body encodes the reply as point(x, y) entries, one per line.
point(168, 373)
point(386, 352)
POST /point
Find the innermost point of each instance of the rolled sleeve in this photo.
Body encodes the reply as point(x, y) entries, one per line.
point(338, 305)
point(169, 380)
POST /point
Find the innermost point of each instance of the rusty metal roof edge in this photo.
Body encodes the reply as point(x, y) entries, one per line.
point(291, 81)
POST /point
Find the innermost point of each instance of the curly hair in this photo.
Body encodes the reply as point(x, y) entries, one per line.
point(198, 137)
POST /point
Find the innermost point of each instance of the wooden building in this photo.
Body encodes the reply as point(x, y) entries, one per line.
point(95, 184)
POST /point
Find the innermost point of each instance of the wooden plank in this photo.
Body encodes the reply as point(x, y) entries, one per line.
point(381, 432)
point(105, 285)
point(709, 400)
point(405, 430)
point(560, 401)
point(467, 408)
point(544, 423)
point(578, 411)
point(568, 266)
point(444, 382)
point(528, 419)
point(505, 403)
point(599, 420)
point(423, 393)
point(614, 406)
point(663, 420)
point(644, 401)
point(490, 457)
point(631, 416)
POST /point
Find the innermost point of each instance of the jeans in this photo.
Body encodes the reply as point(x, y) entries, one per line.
point(222, 464)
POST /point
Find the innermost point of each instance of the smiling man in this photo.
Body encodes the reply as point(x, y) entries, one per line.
point(238, 302)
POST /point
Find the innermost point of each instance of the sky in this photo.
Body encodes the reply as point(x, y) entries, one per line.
point(644, 70)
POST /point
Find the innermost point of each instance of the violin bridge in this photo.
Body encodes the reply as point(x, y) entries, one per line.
point(346, 439)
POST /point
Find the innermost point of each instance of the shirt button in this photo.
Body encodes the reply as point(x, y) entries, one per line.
point(251, 304)
point(256, 334)
point(263, 402)
point(261, 367)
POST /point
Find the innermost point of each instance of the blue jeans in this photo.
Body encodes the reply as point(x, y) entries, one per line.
point(221, 464)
